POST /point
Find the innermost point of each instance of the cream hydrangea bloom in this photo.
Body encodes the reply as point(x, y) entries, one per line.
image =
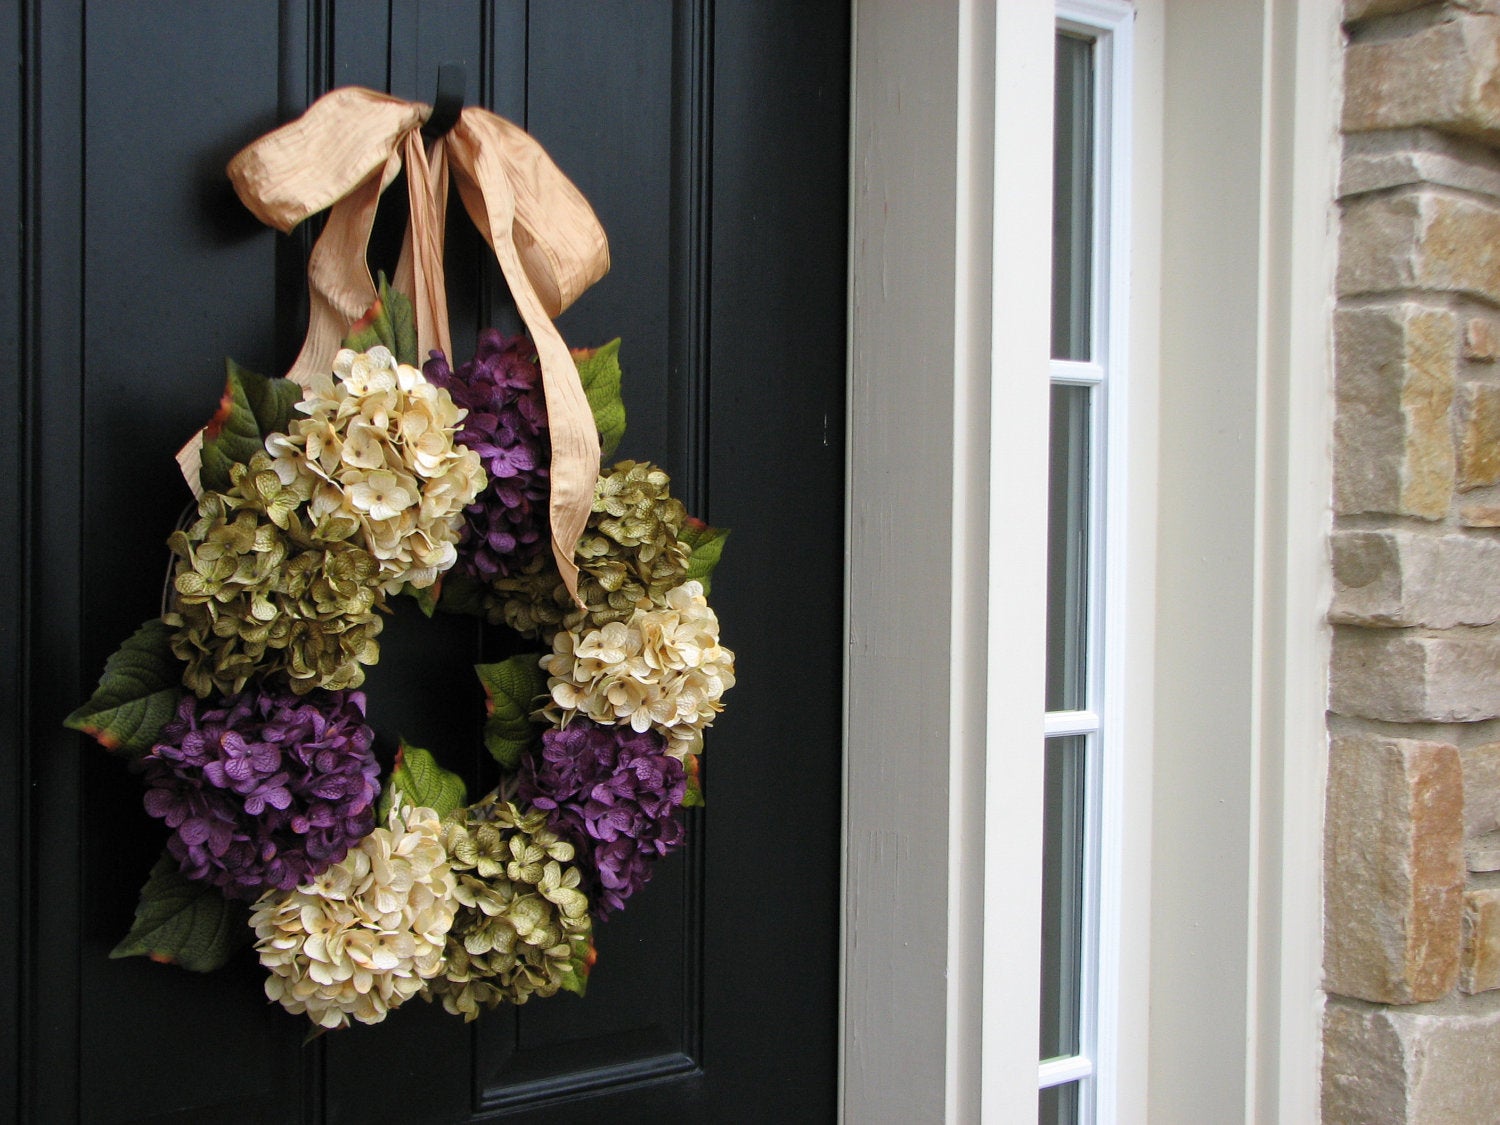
point(364, 936)
point(661, 668)
point(378, 445)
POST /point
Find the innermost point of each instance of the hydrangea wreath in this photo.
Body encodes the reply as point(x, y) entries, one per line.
point(240, 706)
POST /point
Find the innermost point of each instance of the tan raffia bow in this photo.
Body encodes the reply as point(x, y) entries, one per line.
point(342, 153)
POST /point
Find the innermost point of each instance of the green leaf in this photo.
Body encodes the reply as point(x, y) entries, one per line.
point(389, 321)
point(253, 407)
point(426, 598)
point(180, 922)
point(599, 372)
point(706, 544)
point(692, 795)
point(461, 594)
point(422, 783)
point(577, 979)
point(513, 687)
point(136, 696)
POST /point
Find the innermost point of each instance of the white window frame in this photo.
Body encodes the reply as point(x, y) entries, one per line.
point(1108, 25)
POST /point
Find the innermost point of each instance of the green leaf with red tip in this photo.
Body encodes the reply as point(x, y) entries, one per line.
point(136, 696)
point(180, 922)
point(692, 794)
point(253, 407)
point(389, 321)
point(599, 372)
point(706, 544)
point(421, 783)
point(514, 688)
point(576, 980)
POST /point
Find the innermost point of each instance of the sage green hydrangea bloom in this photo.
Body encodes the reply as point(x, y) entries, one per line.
point(628, 556)
point(522, 923)
point(260, 588)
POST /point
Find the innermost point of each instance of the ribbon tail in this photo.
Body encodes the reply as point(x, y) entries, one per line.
point(570, 422)
point(419, 271)
point(340, 289)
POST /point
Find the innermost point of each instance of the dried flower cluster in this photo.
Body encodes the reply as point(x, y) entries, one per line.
point(614, 793)
point(506, 527)
point(663, 669)
point(264, 790)
point(628, 554)
point(366, 934)
point(260, 589)
point(522, 922)
point(378, 446)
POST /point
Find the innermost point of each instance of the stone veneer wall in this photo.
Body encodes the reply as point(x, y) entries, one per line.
point(1412, 846)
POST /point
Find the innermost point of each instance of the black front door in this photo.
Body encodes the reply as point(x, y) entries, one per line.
point(711, 140)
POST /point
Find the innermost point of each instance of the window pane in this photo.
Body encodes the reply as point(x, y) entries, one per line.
point(1072, 197)
point(1059, 1105)
point(1062, 894)
point(1068, 549)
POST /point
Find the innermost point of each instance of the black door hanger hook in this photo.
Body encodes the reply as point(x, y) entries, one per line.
point(448, 103)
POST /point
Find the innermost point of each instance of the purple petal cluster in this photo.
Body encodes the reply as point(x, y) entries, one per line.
point(614, 794)
point(264, 789)
point(501, 388)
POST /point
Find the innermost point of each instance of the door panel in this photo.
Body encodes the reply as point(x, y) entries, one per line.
point(711, 140)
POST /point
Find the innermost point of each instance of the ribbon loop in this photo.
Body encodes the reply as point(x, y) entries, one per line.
point(343, 153)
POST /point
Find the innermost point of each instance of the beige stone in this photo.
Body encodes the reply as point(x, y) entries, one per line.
point(1393, 440)
point(1479, 447)
point(1364, 1066)
point(1481, 789)
point(1479, 967)
point(1446, 75)
point(1482, 853)
point(1398, 676)
point(1389, 1066)
point(1366, 9)
point(1481, 340)
point(1395, 158)
point(1393, 869)
point(1424, 239)
point(1480, 515)
point(1403, 578)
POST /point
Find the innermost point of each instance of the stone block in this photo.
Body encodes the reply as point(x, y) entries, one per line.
point(1479, 967)
point(1479, 444)
point(1422, 239)
point(1388, 1066)
point(1482, 853)
point(1393, 869)
point(1367, 9)
point(1402, 578)
point(1480, 515)
point(1364, 9)
point(1397, 676)
point(1481, 790)
point(1481, 340)
point(1445, 75)
point(1395, 158)
point(1393, 439)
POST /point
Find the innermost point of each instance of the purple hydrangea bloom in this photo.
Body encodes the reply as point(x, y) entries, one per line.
point(263, 789)
point(501, 387)
point(614, 794)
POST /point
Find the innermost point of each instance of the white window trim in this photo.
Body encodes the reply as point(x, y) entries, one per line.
point(1110, 25)
point(944, 87)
